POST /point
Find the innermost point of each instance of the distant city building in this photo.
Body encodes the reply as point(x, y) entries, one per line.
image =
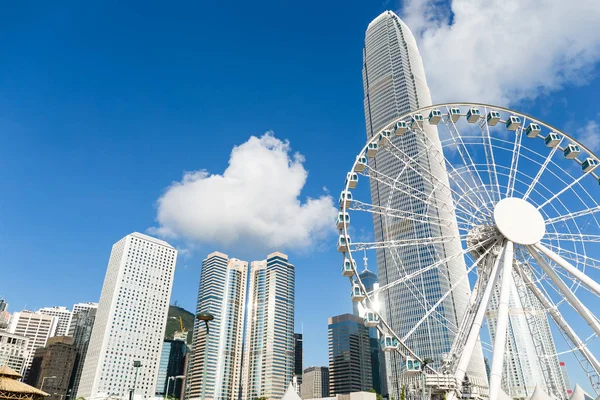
point(52, 366)
point(252, 307)
point(13, 351)
point(215, 365)
point(64, 318)
point(37, 328)
point(298, 361)
point(77, 308)
point(349, 355)
point(130, 321)
point(4, 315)
point(565, 375)
point(81, 328)
point(3, 305)
point(315, 383)
point(394, 83)
point(172, 365)
point(351, 396)
point(269, 344)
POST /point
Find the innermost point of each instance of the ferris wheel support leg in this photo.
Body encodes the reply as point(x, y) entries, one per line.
point(502, 323)
point(473, 337)
point(564, 289)
point(586, 280)
point(559, 320)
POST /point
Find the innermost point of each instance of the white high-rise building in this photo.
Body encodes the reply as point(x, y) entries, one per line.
point(13, 351)
point(130, 320)
point(64, 316)
point(394, 83)
point(37, 328)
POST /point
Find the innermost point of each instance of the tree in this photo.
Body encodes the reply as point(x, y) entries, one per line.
point(403, 393)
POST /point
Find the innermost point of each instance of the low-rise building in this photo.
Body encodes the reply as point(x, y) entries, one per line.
point(52, 367)
point(315, 383)
point(13, 351)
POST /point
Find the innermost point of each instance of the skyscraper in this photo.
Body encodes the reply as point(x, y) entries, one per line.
point(37, 328)
point(131, 319)
point(81, 328)
point(172, 364)
point(394, 83)
point(215, 366)
point(349, 355)
point(64, 316)
point(298, 361)
point(269, 347)
point(316, 383)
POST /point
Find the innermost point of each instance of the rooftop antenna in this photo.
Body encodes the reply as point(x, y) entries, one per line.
point(365, 259)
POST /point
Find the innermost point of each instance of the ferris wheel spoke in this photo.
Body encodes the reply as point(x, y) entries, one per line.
point(514, 164)
point(573, 215)
point(490, 158)
point(574, 237)
point(574, 256)
point(569, 186)
point(541, 171)
point(582, 310)
point(466, 194)
point(559, 320)
point(401, 243)
point(458, 283)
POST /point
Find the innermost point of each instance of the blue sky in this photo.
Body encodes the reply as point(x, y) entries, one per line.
point(103, 106)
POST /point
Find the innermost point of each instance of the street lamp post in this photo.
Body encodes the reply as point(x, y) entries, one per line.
point(423, 366)
point(174, 379)
point(44, 380)
point(206, 317)
point(136, 365)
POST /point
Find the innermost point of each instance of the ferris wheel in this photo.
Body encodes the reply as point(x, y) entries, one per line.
point(477, 215)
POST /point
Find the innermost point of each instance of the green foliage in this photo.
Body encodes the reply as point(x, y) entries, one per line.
point(403, 393)
point(173, 322)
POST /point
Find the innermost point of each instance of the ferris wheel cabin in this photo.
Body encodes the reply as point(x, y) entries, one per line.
point(454, 114)
point(552, 140)
point(434, 117)
point(352, 179)
point(400, 128)
point(371, 319)
point(416, 121)
point(343, 243)
point(412, 365)
point(571, 151)
point(348, 268)
point(357, 293)
point(343, 219)
point(473, 115)
point(345, 199)
point(513, 122)
point(384, 136)
point(372, 148)
point(361, 164)
point(492, 118)
point(533, 130)
point(589, 164)
point(389, 343)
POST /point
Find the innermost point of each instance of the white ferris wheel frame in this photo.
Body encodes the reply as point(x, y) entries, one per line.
point(470, 326)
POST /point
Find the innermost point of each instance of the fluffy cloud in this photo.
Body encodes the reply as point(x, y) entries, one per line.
point(254, 203)
point(589, 135)
point(504, 51)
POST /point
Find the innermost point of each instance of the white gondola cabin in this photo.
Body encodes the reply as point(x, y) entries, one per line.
point(348, 268)
point(492, 118)
point(513, 122)
point(416, 121)
point(571, 151)
point(434, 117)
point(588, 164)
point(454, 114)
point(357, 293)
point(473, 115)
point(533, 130)
point(343, 219)
point(361, 164)
point(384, 136)
point(345, 199)
point(352, 179)
point(552, 140)
point(389, 343)
point(372, 148)
point(371, 319)
point(413, 365)
point(400, 128)
point(343, 243)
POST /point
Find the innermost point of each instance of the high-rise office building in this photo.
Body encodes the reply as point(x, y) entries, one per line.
point(37, 328)
point(316, 383)
point(81, 328)
point(84, 306)
point(3, 305)
point(54, 364)
point(269, 341)
point(298, 361)
point(130, 322)
point(349, 355)
point(171, 371)
point(565, 374)
point(64, 316)
point(215, 365)
point(394, 83)
point(254, 308)
point(4, 315)
point(13, 351)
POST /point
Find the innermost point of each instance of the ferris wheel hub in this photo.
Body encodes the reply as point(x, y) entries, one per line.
point(519, 221)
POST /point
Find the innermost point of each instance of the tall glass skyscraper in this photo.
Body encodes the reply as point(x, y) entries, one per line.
point(394, 83)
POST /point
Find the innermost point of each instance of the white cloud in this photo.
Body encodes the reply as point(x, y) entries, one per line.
point(255, 203)
point(504, 51)
point(589, 135)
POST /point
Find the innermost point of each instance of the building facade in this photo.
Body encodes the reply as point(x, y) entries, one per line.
point(315, 383)
point(215, 365)
point(37, 328)
point(269, 348)
point(171, 371)
point(394, 83)
point(64, 316)
point(13, 351)
point(298, 361)
point(349, 355)
point(52, 367)
point(81, 328)
point(131, 319)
